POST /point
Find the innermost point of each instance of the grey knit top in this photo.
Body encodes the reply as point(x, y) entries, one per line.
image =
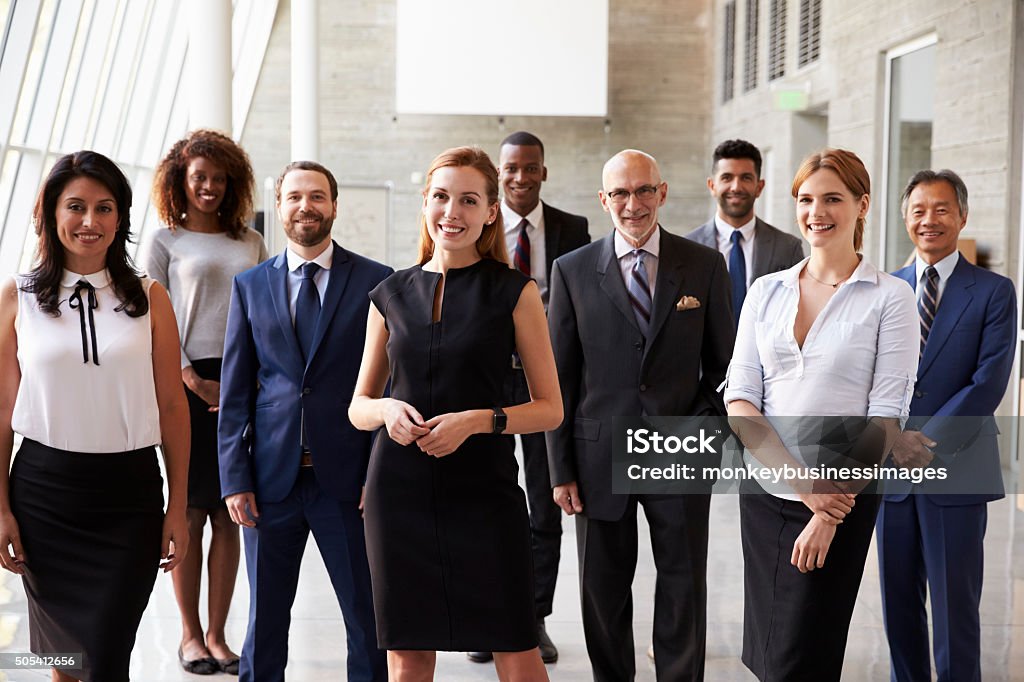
point(196, 268)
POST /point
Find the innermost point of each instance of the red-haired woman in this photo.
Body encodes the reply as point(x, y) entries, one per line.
point(448, 536)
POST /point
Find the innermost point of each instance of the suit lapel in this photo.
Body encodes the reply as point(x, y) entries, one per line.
point(667, 285)
point(341, 269)
point(552, 230)
point(764, 244)
point(277, 283)
point(954, 301)
point(611, 280)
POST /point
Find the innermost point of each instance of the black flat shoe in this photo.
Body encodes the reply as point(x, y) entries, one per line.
point(228, 665)
point(548, 651)
point(480, 656)
point(200, 666)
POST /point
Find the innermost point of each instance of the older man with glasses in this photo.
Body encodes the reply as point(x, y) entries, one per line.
point(641, 324)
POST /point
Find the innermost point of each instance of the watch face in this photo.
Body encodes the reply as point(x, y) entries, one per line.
point(500, 421)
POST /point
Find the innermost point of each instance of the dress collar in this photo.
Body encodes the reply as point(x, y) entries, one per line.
point(97, 279)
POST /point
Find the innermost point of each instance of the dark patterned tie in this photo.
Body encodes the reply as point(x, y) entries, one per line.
point(738, 275)
point(521, 257)
point(640, 291)
point(927, 303)
point(307, 308)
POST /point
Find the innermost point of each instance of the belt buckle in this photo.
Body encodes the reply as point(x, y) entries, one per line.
point(306, 460)
point(517, 362)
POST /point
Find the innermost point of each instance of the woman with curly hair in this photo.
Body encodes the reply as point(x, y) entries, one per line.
point(89, 378)
point(203, 193)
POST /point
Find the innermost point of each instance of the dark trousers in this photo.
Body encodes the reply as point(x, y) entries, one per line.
point(545, 515)
point(273, 555)
point(607, 559)
point(921, 542)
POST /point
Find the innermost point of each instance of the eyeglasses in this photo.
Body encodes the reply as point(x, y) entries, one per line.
point(643, 193)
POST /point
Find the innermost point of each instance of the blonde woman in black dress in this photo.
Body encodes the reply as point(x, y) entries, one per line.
point(447, 531)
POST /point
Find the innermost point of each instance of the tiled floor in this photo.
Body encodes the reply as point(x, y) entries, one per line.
point(318, 639)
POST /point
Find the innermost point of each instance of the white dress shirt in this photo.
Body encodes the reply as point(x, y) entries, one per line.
point(535, 233)
point(724, 232)
point(859, 357)
point(624, 252)
point(295, 263)
point(944, 267)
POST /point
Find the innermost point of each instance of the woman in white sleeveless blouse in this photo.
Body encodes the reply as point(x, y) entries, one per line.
point(89, 376)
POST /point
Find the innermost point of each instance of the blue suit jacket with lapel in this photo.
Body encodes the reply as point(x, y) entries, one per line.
point(266, 386)
point(607, 370)
point(963, 373)
point(774, 250)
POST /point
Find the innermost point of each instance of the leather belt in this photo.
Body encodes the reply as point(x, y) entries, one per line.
point(307, 459)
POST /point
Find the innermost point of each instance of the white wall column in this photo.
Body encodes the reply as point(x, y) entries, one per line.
point(305, 81)
point(208, 66)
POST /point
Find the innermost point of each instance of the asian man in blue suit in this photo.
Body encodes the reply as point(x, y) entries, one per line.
point(290, 460)
point(934, 535)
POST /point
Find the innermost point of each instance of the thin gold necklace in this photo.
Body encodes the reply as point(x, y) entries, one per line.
point(828, 284)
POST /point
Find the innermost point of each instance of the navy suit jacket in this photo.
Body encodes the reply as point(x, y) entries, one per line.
point(266, 387)
point(963, 373)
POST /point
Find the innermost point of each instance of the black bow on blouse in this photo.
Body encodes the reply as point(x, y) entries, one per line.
point(75, 302)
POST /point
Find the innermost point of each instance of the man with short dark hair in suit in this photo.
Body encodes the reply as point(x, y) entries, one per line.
point(736, 183)
point(641, 324)
point(290, 460)
point(933, 534)
point(536, 233)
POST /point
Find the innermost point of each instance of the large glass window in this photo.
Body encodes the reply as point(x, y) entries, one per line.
point(103, 75)
point(910, 98)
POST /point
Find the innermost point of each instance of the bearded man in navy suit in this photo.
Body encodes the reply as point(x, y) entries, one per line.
point(290, 460)
point(934, 534)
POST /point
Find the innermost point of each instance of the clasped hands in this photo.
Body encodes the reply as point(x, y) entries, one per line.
point(830, 507)
point(439, 436)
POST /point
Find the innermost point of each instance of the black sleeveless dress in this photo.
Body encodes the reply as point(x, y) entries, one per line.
point(448, 538)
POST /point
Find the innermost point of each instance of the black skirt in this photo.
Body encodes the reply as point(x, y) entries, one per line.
point(203, 469)
point(795, 625)
point(90, 525)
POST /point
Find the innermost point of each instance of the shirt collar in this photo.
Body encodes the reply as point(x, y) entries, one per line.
point(512, 219)
point(944, 267)
point(324, 260)
point(725, 230)
point(651, 246)
point(97, 279)
point(865, 272)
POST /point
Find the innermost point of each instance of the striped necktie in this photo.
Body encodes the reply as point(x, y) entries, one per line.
point(521, 257)
point(927, 303)
point(637, 284)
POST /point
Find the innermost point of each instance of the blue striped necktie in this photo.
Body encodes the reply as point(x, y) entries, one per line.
point(927, 303)
point(639, 288)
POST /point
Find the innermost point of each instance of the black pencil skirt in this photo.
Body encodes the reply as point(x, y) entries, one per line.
point(203, 468)
point(795, 625)
point(90, 525)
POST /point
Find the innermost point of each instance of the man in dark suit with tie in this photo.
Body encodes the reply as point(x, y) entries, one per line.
point(736, 183)
point(536, 233)
point(634, 320)
point(935, 534)
point(290, 460)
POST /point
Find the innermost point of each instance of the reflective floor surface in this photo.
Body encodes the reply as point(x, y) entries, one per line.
point(317, 644)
